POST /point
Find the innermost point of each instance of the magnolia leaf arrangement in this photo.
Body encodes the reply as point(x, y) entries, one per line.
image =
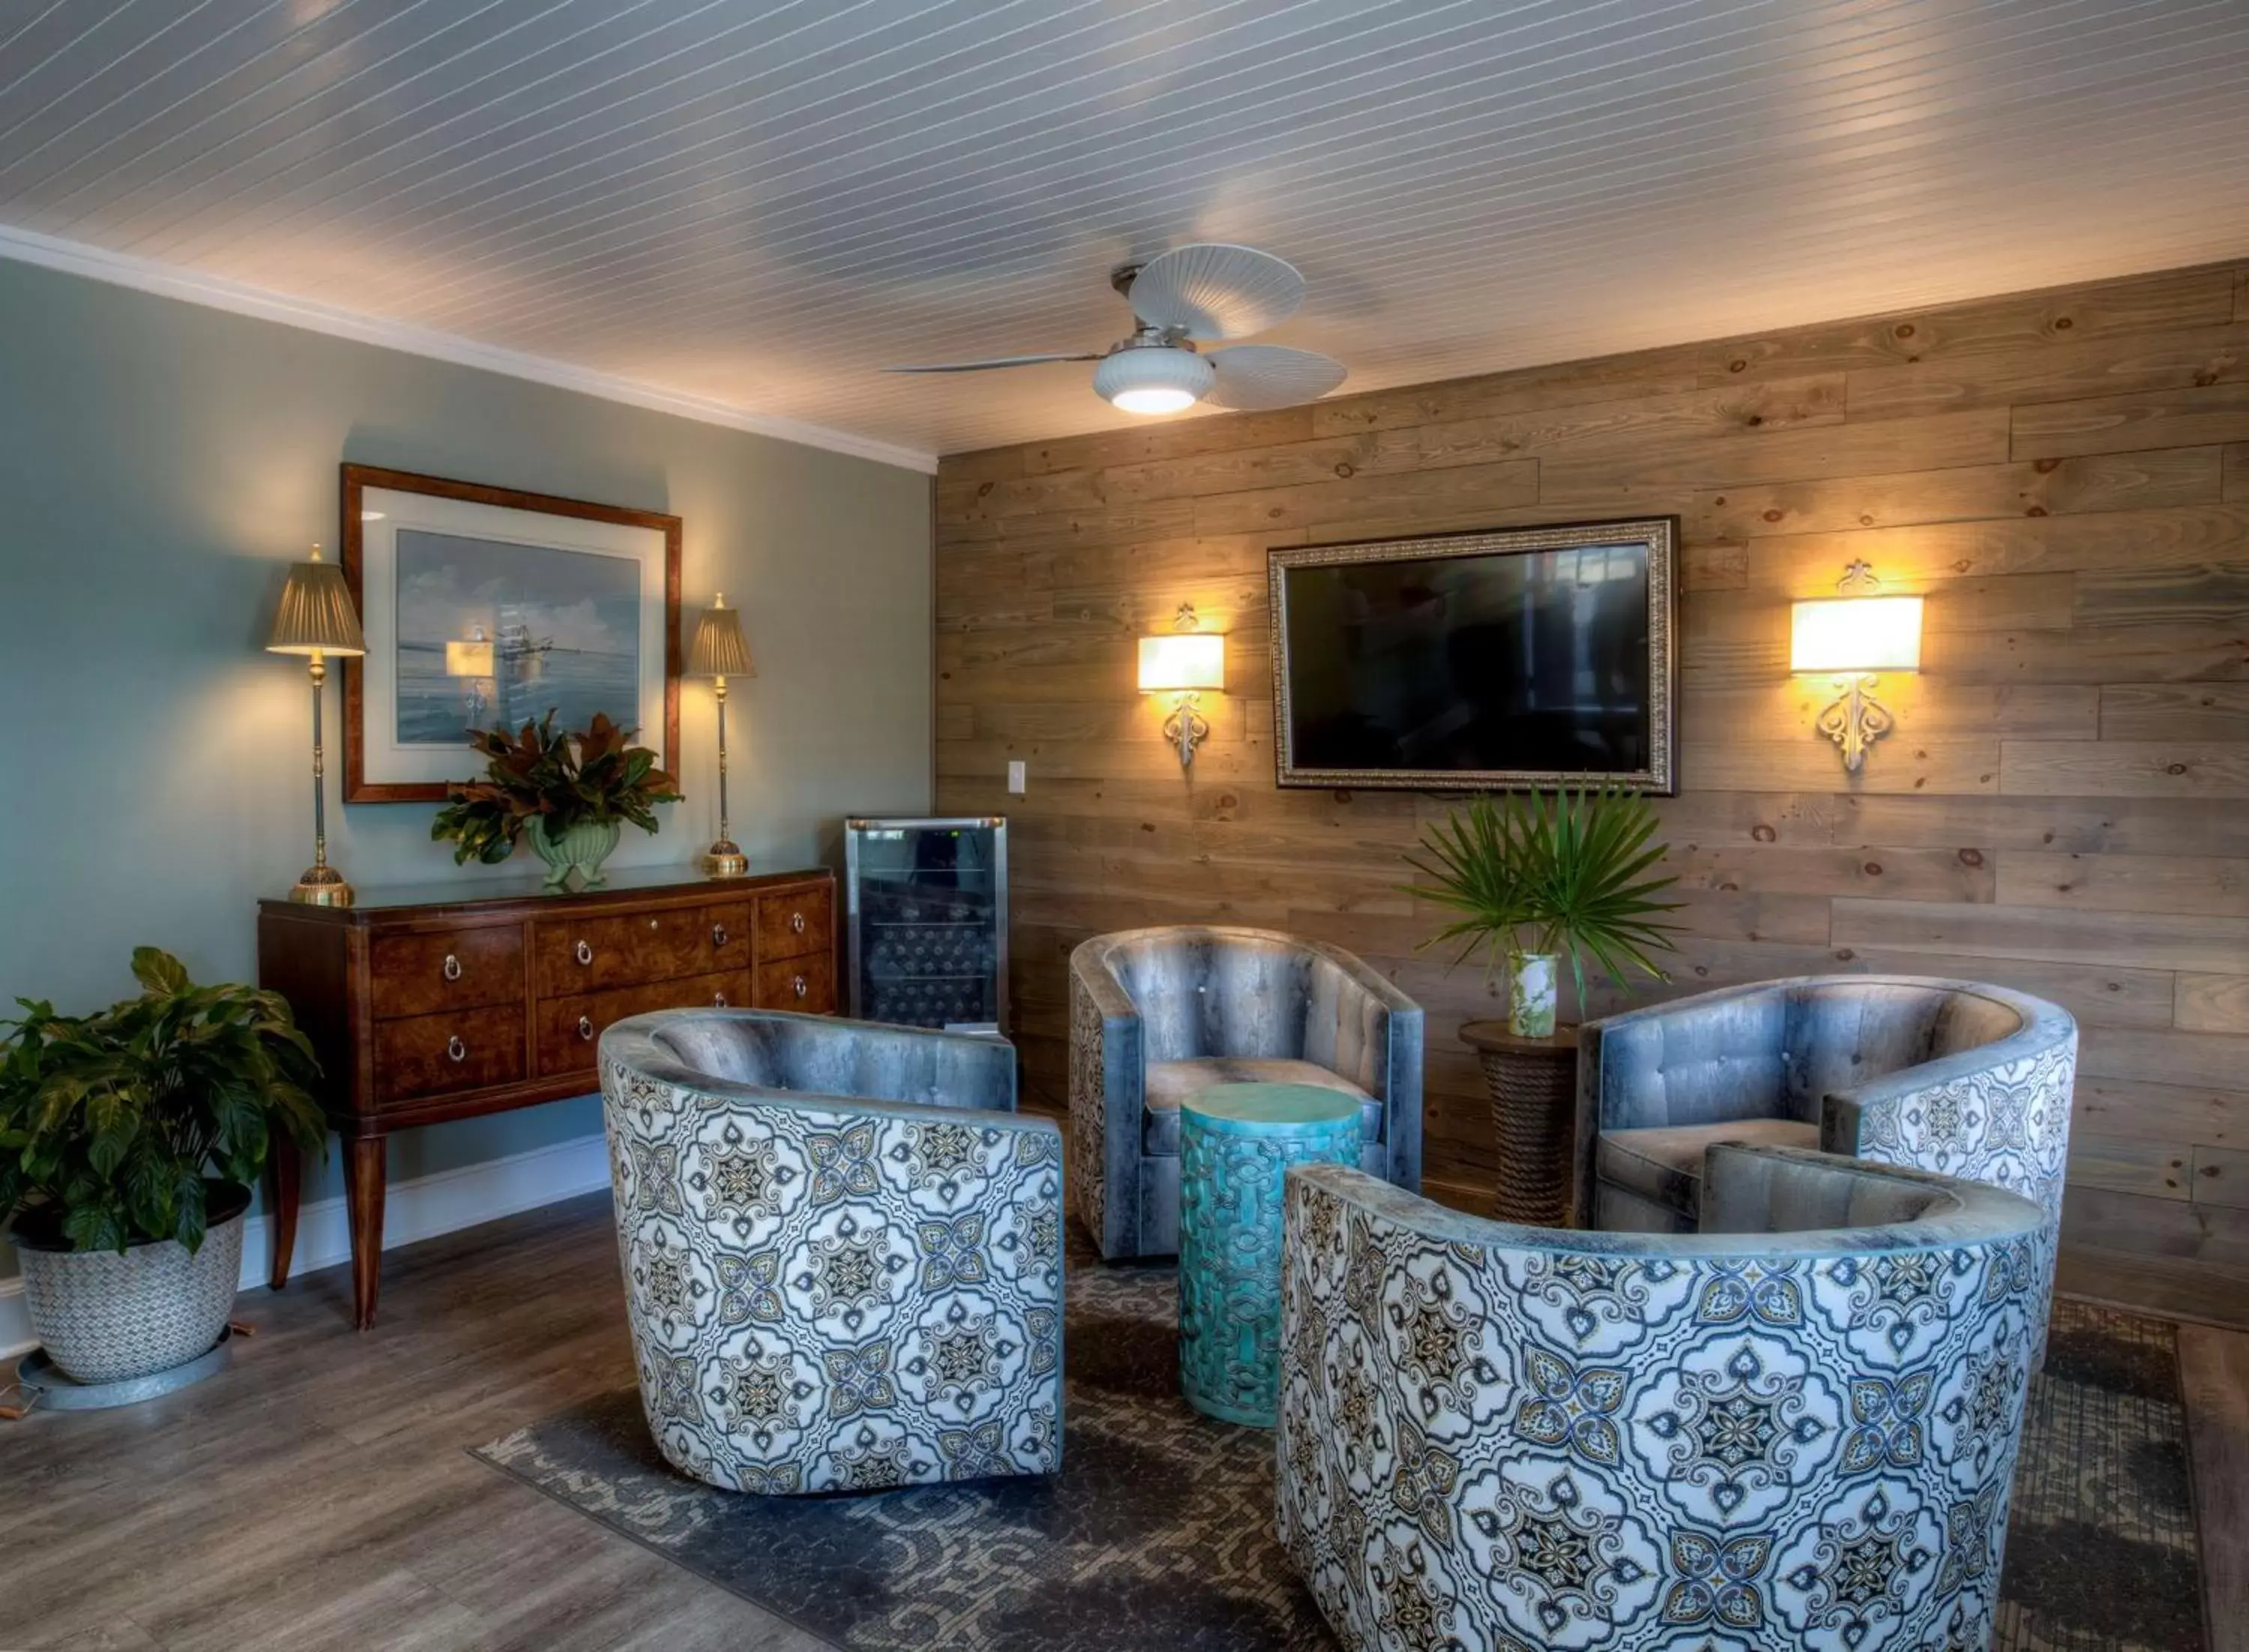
point(110, 1122)
point(1530, 875)
point(589, 776)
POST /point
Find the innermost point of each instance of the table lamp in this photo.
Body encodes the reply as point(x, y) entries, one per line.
point(719, 653)
point(316, 618)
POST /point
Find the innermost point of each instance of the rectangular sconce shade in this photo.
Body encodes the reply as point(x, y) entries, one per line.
point(469, 659)
point(1855, 634)
point(718, 650)
point(315, 615)
point(1183, 659)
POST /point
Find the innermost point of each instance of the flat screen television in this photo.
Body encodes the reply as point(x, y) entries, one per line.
point(1537, 657)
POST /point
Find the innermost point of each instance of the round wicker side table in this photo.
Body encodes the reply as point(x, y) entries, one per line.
point(1534, 1116)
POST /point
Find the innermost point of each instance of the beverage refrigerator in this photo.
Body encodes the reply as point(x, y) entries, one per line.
point(925, 918)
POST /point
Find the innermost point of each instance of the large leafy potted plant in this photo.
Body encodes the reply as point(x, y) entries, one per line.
point(570, 794)
point(1532, 881)
point(128, 1143)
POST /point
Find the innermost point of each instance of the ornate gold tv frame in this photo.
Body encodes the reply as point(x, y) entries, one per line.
point(1660, 537)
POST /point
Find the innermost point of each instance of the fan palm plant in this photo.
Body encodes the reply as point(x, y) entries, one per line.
point(1535, 879)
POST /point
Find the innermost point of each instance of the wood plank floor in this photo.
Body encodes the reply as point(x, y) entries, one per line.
point(319, 1493)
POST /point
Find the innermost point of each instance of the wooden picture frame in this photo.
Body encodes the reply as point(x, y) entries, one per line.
point(1656, 541)
point(465, 512)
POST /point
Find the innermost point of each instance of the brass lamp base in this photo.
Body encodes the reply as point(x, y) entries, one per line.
point(322, 885)
point(724, 859)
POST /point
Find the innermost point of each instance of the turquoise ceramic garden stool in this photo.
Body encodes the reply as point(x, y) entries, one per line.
point(1236, 1143)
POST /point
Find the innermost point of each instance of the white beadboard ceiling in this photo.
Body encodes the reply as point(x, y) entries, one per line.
point(746, 207)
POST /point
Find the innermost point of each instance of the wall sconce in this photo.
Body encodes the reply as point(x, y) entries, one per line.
point(1852, 637)
point(1184, 663)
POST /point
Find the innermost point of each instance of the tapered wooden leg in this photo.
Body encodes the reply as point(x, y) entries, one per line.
point(363, 1185)
point(287, 1166)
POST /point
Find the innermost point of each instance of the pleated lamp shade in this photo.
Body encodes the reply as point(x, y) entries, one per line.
point(718, 650)
point(316, 615)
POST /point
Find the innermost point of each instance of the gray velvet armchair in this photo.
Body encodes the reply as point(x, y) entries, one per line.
point(1955, 1077)
point(1157, 1015)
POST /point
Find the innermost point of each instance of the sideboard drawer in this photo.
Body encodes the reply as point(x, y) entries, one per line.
point(445, 970)
point(455, 1050)
point(570, 1028)
point(795, 925)
point(587, 955)
point(806, 983)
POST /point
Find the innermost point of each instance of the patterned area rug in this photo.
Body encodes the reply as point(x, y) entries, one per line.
point(1158, 1532)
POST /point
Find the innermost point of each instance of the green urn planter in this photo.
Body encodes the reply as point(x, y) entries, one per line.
point(581, 848)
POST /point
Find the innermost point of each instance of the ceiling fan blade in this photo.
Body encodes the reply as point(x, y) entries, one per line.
point(1251, 376)
point(998, 362)
point(1210, 290)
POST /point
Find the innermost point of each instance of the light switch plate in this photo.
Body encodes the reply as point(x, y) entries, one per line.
point(1016, 777)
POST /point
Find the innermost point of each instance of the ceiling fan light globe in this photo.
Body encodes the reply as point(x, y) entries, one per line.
point(1155, 398)
point(1161, 378)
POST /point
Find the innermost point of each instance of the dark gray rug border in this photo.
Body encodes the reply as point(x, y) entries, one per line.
point(640, 1542)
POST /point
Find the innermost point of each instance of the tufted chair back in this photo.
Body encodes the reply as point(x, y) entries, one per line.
point(1241, 993)
point(1776, 1049)
point(803, 1054)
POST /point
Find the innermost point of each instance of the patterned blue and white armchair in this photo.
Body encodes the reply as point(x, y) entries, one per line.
point(1157, 1015)
point(1951, 1076)
point(1795, 1429)
point(841, 1250)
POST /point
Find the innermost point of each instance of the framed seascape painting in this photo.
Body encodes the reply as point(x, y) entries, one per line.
point(487, 607)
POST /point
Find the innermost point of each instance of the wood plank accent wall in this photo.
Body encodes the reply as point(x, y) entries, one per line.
point(2065, 808)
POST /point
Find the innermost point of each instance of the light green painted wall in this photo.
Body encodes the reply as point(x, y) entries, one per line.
point(159, 464)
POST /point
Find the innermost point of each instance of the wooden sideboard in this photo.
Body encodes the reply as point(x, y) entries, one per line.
point(450, 1001)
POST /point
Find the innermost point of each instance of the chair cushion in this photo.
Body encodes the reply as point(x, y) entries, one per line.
point(1666, 1164)
point(1169, 1083)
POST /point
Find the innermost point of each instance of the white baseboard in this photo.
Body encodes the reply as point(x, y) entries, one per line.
point(15, 1325)
point(420, 1209)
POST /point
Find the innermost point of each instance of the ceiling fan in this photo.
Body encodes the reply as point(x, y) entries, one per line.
point(1200, 293)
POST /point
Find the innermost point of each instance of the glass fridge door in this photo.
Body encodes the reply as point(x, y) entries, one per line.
point(929, 922)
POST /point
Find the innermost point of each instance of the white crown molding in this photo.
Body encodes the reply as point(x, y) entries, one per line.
point(420, 1209)
point(216, 292)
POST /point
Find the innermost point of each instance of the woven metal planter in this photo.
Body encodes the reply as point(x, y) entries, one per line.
point(107, 1318)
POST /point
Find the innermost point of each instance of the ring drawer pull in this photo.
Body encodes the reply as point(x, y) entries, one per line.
point(585, 952)
point(799, 984)
point(796, 922)
point(456, 1049)
point(719, 1000)
point(586, 1028)
point(718, 934)
point(453, 969)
